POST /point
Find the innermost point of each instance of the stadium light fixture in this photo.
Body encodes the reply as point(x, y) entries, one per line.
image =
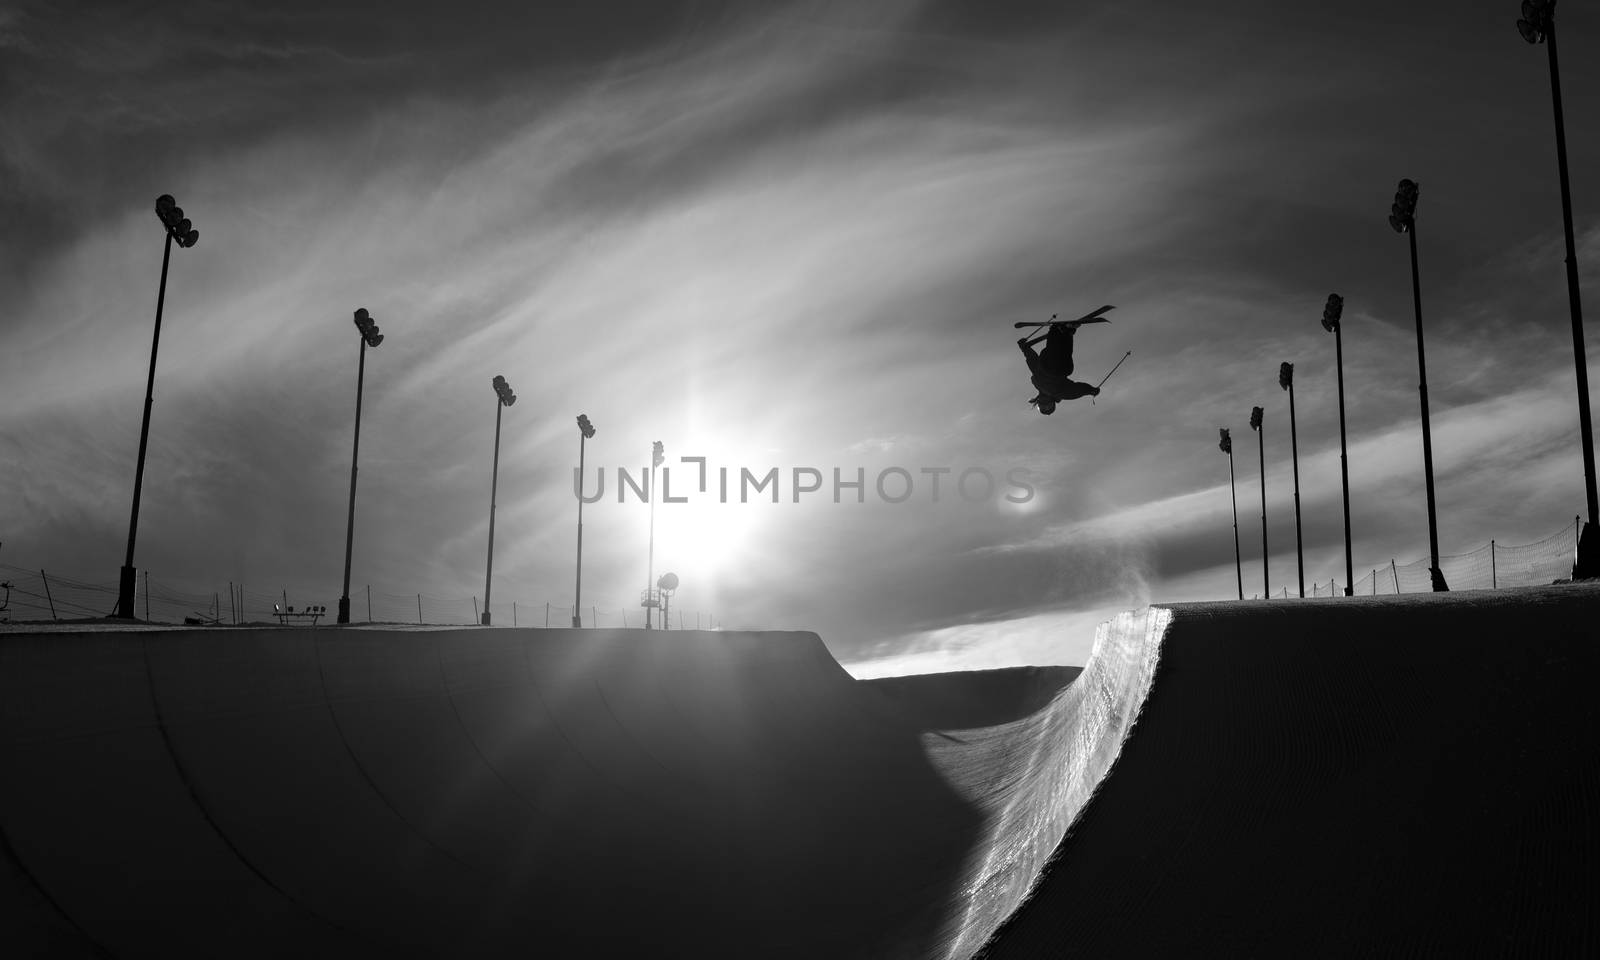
point(181, 231)
point(1332, 312)
point(1286, 381)
point(504, 397)
point(1403, 218)
point(1261, 442)
point(1403, 211)
point(585, 431)
point(1537, 21)
point(1226, 446)
point(1538, 25)
point(370, 337)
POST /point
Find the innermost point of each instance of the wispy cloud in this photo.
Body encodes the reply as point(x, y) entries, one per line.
point(792, 239)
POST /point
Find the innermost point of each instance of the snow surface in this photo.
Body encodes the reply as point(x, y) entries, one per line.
point(481, 791)
point(1302, 772)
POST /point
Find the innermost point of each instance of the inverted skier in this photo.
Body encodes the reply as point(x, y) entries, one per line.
point(1051, 369)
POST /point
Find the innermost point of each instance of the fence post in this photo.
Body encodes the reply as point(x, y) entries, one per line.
point(233, 613)
point(474, 608)
point(594, 612)
point(146, 597)
point(419, 608)
point(369, 603)
point(1396, 571)
point(513, 613)
point(1494, 580)
point(53, 603)
point(547, 614)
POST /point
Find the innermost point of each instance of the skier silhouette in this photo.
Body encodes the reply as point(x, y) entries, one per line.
point(1051, 369)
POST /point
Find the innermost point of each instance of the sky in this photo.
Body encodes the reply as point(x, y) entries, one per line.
point(791, 236)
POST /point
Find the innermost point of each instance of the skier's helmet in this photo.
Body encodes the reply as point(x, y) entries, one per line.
point(1047, 407)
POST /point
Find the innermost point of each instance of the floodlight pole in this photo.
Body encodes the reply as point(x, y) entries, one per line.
point(577, 595)
point(1261, 445)
point(1588, 564)
point(1344, 464)
point(129, 577)
point(1427, 433)
point(1294, 453)
point(355, 453)
point(494, 483)
point(1233, 497)
point(650, 563)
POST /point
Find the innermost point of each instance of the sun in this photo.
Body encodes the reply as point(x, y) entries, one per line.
point(719, 543)
point(706, 542)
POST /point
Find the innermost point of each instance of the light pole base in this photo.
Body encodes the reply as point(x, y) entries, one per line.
point(485, 619)
point(1588, 565)
point(1439, 586)
point(130, 576)
point(577, 622)
point(344, 610)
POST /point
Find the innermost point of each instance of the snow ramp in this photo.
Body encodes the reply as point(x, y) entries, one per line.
point(485, 791)
point(1411, 776)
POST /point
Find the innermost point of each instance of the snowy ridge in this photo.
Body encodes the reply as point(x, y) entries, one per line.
point(472, 792)
point(1069, 749)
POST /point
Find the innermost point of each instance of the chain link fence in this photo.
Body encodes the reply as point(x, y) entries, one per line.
point(28, 595)
point(1489, 567)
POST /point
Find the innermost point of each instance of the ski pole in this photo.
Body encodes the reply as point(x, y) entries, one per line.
point(1103, 379)
point(1028, 337)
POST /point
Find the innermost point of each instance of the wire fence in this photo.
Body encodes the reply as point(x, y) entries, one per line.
point(28, 595)
point(1490, 567)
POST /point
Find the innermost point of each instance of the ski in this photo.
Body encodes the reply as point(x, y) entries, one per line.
point(1091, 317)
point(1062, 323)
